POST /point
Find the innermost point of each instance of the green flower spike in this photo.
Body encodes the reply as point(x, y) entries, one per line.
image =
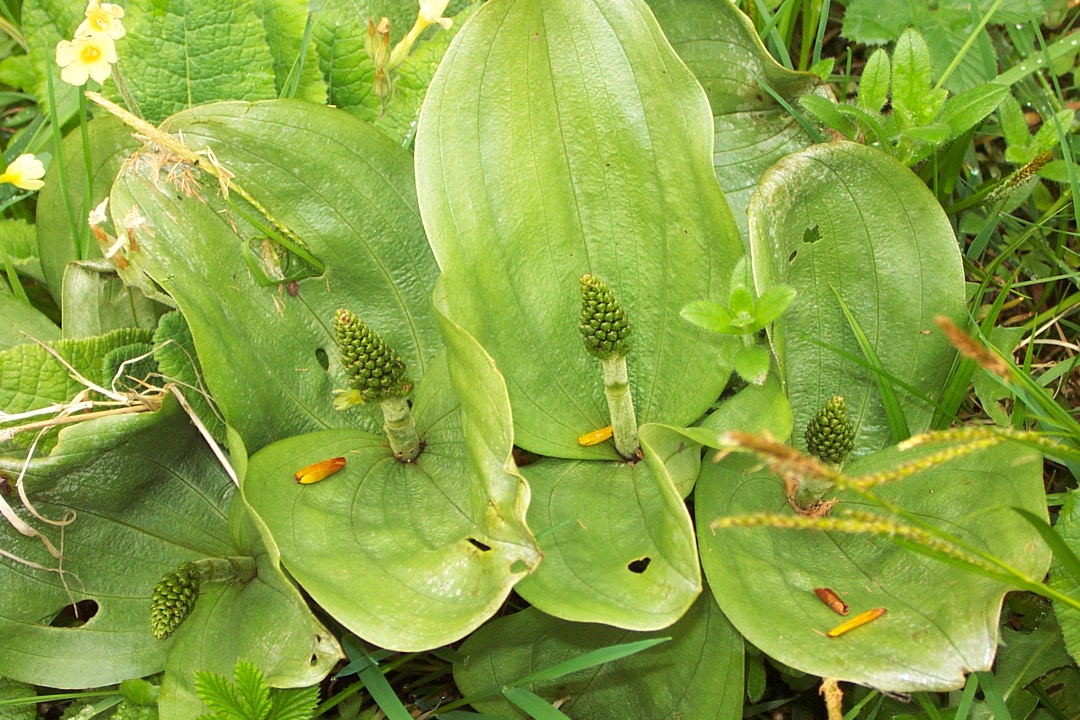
point(604, 325)
point(604, 329)
point(376, 374)
point(173, 600)
point(175, 594)
point(830, 435)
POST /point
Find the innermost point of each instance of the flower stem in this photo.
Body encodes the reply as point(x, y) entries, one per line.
point(621, 407)
point(88, 180)
point(125, 91)
point(400, 429)
point(230, 569)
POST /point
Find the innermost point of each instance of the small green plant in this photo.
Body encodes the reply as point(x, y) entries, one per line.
point(745, 317)
point(248, 697)
point(920, 119)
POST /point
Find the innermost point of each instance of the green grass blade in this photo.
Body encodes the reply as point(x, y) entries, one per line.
point(967, 698)
point(292, 82)
point(993, 696)
point(894, 414)
point(857, 708)
point(465, 715)
point(383, 695)
point(928, 706)
point(812, 131)
point(61, 174)
point(588, 660)
point(531, 703)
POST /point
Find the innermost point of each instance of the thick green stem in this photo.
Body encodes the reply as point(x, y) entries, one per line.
point(810, 492)
point(400, 429)
point(621, 407)
point(231, 569)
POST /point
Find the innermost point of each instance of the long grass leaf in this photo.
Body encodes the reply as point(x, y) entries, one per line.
point(383, 695)
point(993, 696)
point(588, 660)
point(894, 414)
point(531, 703)
point(967, 698)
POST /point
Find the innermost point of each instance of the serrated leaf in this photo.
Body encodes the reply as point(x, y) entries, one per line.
point(294, 704)
point(12, 690)
point(874, 82)
point(511, 260)
point(967, 109)
point(182, 53)
point(33, 378)
point(140, 692)
point(887, 245)
point(220, 695)
point(697, 674)
point(751, 131)
point(253, 691)
point(284, 22)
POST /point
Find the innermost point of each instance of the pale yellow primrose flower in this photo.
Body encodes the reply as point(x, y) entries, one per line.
point(431, 12)
point(24, 172)
point(102, 19)
point(85, 57)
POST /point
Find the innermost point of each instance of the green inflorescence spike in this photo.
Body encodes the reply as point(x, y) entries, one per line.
point(374, 369)
point(173, 600)
point(604, 325)
point(830, 435)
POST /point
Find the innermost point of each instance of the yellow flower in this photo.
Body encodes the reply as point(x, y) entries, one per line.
point(431, 12)
point(85, 57)
point(24, 172)
point(102, 19)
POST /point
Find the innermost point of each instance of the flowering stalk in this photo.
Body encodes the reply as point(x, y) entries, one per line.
point(376, 374)
point(604, 330)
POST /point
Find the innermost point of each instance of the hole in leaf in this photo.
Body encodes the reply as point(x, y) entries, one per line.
point(812, 234)
point(5, 484)
point(791, 257)
point(638, 566)
point(314, 659)
point(478, 545)
point(76, 615)
point(323, 358)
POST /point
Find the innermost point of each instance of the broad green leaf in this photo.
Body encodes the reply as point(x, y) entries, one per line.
point(265, 622)
point(19, 240)
point(673, 453)
point(755, 409)
point(142, 505)
point(1068, 526)
point(34, 378)
point(408, 556)
point(771, 305)
point(96, 301)
point(269, 357)
point(617, 542)
point(988, 390)
point(888, 250)
point(548, 169)
point(284, 22)
point(181, 53)
point(1025, 657)
point(914, 101)
point(110, 144)
point(411, 81)
point(941, 621)
point(697, 674)
point(874, 82)
point(23, 322)
point(751, 130)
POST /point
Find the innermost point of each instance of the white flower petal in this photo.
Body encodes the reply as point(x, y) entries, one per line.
point(66, 53)
point(75, 74)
